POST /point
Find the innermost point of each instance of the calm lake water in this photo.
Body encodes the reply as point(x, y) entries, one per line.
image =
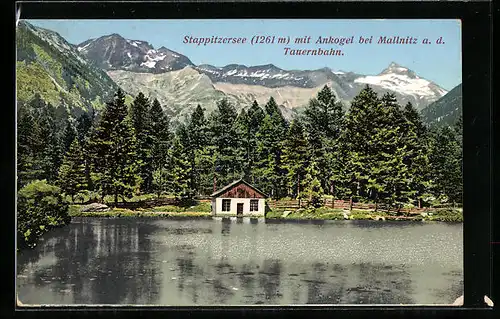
point(243, 262)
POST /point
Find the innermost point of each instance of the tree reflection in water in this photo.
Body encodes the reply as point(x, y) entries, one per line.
point(208, 262)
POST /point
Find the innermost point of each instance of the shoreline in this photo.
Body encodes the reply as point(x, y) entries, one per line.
point(380, 217)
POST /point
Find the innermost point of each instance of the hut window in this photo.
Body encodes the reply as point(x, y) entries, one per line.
point(254, 205)
point(226, 205)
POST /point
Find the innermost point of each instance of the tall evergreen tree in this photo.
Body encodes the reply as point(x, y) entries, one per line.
point(446, 163)
point(69, 135)
point(197, 131)
point(84, 125)
point(72, 175)
point(28, 167)
point(323, 118)
point(114, 158)
point(180, 168)
point(161, 142)
point(356, 142)
point(388, 176)
point(140, 112)
point(225, 141)
point(313, 191)
point(268, 170)
point(160, 133)
point(244, 148)
point(255, 116)
point(417, 158)
point(295, 160)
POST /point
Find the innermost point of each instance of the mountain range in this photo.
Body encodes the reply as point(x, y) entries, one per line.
point(91, 71)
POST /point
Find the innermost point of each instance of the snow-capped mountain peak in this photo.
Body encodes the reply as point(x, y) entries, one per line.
point(114, 52)
point(403, 80)
point(395, 68)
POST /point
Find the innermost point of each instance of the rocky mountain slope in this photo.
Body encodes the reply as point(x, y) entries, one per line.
point(114, 52)
point(86, 74)
point(48, 65)
point(446, 110)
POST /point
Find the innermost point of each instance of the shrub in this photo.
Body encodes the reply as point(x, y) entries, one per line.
point(40, 207)
point(447, 215)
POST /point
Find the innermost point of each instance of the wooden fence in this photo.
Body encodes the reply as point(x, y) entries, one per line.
point(148, 203)
point(341, 204)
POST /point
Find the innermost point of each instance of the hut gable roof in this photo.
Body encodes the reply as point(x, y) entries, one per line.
point(234, 184)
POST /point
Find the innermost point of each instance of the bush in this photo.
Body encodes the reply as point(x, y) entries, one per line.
point(447, 215)
point(40, 207)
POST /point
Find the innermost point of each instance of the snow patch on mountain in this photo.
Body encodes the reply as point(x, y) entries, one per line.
point(151, 58)
point(401, 83)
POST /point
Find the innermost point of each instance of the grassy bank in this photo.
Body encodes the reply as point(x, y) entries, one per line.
point(323, 213)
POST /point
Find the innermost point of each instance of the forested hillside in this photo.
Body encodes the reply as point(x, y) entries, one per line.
point(51, 67)
point(446, 110)
point(379, 151)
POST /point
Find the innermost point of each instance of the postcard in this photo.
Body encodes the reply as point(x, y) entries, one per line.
point(239, 162)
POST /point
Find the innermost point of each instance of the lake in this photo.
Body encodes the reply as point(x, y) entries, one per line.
point(243, 261)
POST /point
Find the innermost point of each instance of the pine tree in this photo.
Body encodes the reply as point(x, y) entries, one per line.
point(313, 191)
point(244, 148)
point(255, 118)
point(389, 177)
point(140, 112)
point(270, 136)
point(85, 125)
point(161, 140)
point(356, 143)
point(197, 133)
point(268, 170)
point(330, 113)
point(28, 168)
point(115, 166)
point(225, 141)
point(180, 170)
point(69, 135)
point(295, 160)
point(72, 175)
point(446, 163)
point(323, 118)
point(161, 136)
point(417, 159)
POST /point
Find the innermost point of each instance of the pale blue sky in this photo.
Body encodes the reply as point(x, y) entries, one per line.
point(438, 63)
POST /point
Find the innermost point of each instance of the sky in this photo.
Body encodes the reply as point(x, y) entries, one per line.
point(440, 63)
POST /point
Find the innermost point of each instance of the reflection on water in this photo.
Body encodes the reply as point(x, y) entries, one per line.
point(238, 262)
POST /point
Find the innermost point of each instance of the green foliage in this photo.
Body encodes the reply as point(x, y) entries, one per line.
point(446, 164)
point(224, 138)
point(115, 165)
point(268, 171)
point(313, 191)
point(39, 145)
point(40, 207)
point(140, 114)
point(446, 215)
point(57, 73)
point(295, 159)
point(323, 118)
point(180, 169)
point(72, 174)
point(377, 152)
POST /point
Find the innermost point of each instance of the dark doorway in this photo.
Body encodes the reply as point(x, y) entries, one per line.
point(239, 209)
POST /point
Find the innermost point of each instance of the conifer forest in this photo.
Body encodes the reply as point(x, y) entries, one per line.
point(377, 151)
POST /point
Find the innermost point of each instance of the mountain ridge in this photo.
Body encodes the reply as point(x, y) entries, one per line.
point(48, 65)
point(408, 86)
point(180, 85)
